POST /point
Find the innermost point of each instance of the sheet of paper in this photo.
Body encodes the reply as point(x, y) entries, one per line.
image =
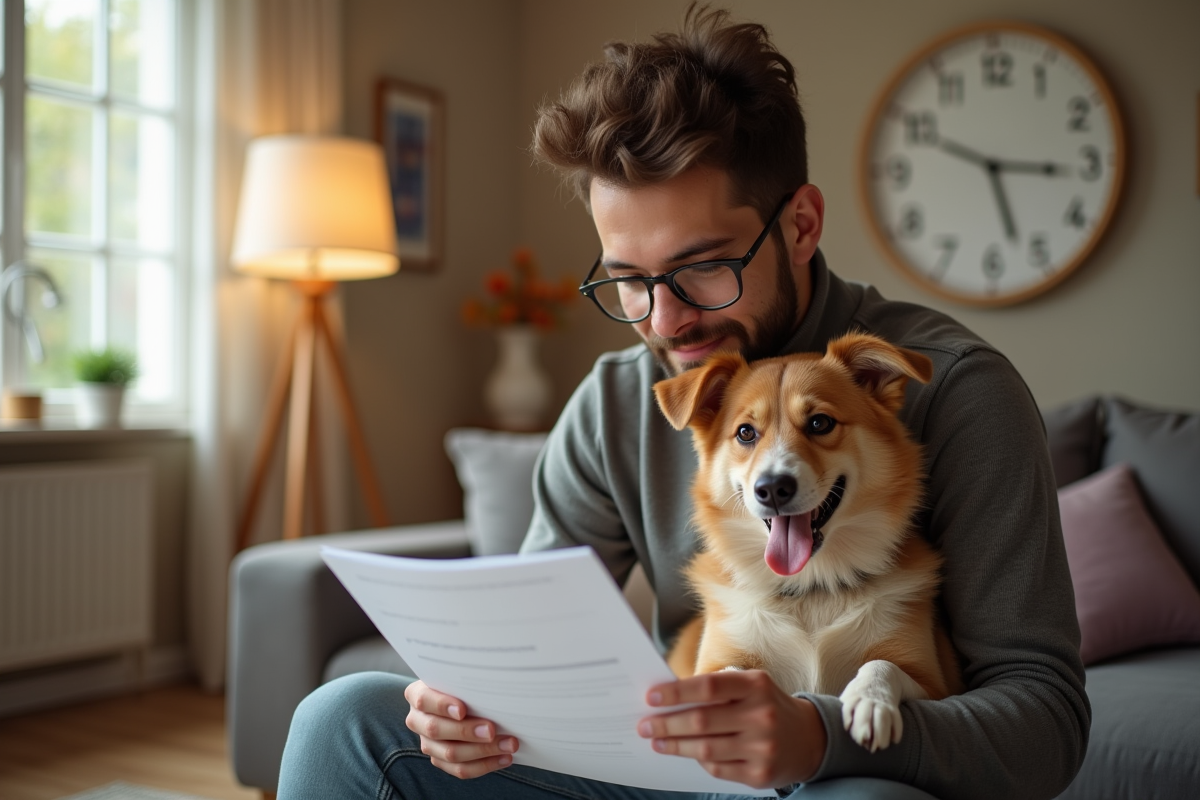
point(544, 645)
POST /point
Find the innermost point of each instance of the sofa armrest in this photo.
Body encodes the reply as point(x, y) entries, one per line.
point(288, 615)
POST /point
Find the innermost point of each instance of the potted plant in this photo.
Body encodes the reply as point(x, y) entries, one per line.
point(102, 376)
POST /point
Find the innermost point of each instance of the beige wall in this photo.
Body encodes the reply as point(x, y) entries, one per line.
point(1126, 322)
point(415, 369)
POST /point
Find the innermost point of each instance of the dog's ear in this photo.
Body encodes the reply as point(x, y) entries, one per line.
point(694, 397)
point(879, 367)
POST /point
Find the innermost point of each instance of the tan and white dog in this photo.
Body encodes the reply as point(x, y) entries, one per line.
point(810, 567)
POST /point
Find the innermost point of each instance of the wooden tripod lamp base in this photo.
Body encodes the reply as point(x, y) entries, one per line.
point(313, 210)
point(295, 377)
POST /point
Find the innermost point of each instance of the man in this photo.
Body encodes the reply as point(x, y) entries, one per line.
point(689, 153)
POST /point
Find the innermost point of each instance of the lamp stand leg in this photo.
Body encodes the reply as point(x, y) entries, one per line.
point(367, 478)
point(298, 422)
point(295, 376)
point(266, 441)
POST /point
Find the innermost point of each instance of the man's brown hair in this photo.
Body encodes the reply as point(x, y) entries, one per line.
point(715, 94)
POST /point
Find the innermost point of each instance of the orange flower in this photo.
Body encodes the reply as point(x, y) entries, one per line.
point(497, 283)
point(541, 318)
point(519, 296)
point(508, 313)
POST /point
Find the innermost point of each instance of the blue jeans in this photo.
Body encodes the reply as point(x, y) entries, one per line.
point(348, 740)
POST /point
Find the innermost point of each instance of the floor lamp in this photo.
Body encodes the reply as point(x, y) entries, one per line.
point(314, 210)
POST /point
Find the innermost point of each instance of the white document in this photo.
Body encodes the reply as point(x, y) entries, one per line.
point(544, 645)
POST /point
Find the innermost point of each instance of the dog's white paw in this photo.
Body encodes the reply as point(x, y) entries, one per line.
point(873, 722)
point(871, 704)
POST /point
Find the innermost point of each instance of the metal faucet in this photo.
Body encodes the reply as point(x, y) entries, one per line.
point(51, 298)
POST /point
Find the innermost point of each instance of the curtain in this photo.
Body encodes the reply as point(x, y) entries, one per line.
point(261, 67)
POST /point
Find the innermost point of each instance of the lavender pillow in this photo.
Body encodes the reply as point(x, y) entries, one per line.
point(1130, 590)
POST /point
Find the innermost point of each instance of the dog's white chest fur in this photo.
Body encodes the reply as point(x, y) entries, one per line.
point(806, 647)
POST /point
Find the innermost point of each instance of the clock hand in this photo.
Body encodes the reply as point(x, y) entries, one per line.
point(993, 167)
point(956, 149)
point(1037, 167)
point(1010, 228)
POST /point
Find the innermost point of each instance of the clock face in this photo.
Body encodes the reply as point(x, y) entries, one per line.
point(993, 162)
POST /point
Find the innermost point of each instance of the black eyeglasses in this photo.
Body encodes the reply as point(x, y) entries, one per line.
point(707, 285)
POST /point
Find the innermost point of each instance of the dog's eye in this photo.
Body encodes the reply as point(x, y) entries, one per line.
point(746, 434)
point(821, 424)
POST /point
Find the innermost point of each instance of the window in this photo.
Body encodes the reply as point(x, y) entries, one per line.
point(91, 107)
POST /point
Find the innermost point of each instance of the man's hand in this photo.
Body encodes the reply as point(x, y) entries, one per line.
point(747, 731)
point(465, 747)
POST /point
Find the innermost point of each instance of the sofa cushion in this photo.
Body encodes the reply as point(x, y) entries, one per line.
point(372, 654)
point(1130, 591)
point(496, 472)
point(1074, 434)
point(1145, 725)
point(1163, 447)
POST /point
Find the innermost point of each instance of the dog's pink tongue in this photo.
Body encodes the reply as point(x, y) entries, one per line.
point(789, 544)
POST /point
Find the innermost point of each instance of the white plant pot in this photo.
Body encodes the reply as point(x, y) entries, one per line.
point(98, 405)
point(517, 392)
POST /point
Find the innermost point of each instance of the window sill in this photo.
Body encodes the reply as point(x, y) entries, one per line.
point(64, 431)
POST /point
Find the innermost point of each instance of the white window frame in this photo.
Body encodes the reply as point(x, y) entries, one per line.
point(58, 402)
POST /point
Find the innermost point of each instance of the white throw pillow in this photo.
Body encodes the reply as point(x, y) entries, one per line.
point(496, 473)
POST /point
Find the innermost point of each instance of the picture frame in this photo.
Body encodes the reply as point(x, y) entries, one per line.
point(410, 125)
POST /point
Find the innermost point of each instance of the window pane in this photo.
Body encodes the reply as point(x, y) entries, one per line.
point(59, 40)
point(141, 318)
point(63, 330)
point(142, 48)
point(141, 181)
point(58, 152)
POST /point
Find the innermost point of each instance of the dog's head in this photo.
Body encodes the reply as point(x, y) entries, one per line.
point(810, 445)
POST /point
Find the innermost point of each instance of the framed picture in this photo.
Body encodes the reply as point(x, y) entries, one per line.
point(410, 124)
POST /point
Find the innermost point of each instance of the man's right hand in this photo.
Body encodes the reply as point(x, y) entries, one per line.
point(463, 746)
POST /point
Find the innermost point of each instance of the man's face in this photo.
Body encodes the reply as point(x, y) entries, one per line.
point(653, 229)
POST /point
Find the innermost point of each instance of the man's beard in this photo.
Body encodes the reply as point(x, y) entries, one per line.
point(773, 329)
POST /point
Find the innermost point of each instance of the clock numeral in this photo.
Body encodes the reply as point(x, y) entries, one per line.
point(899, 170)
point(1074, 215)
point(950, 89)
point(1078, 109)
point(997, 69)
point(1039, 80)
point(1094, 166)
point(912, 222)
point(1039, 250)
point(993, 263)
point(948, 245)
point(920, 128)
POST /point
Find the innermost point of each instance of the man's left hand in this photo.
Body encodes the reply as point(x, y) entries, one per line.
point(747, 729)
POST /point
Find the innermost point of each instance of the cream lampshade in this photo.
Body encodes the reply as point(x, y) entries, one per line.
point(315, 208)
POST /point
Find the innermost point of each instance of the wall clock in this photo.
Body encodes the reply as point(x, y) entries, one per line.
point(992, 163)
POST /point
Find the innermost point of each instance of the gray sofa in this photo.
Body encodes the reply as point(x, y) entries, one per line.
point(293, 627)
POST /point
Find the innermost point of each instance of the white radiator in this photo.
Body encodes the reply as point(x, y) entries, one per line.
point(75, 560)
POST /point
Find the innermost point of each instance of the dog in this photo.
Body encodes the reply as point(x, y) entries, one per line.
point(810, 567)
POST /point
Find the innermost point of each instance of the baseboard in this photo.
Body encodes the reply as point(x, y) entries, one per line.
point(35, 690)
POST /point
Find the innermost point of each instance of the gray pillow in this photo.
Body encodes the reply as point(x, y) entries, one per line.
point(496, 472)
point(1163, 447)
point(1075, 436)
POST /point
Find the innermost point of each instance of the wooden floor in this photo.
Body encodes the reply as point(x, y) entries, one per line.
point(170, 738)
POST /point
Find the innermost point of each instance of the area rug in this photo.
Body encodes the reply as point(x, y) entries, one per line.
point(127, 791)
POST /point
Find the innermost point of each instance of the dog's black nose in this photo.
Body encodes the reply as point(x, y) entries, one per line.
point(775, 490)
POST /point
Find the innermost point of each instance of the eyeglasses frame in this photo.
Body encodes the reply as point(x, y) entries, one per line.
point(588, 287)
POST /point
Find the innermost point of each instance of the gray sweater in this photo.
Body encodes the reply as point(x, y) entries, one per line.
point(615, 476)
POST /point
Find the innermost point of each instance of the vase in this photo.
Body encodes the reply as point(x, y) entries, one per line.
point(98, 405)
point(517, 392)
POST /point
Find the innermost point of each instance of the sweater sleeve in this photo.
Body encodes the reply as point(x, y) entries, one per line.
point(1020, 729)
point(573, 498)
